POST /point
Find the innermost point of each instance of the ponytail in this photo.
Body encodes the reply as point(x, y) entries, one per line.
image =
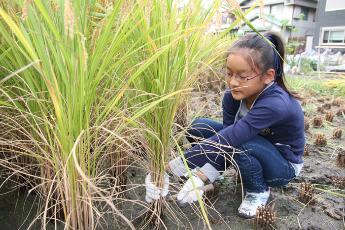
point(278, 60)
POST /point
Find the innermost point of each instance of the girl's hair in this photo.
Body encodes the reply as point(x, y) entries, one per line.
point(263, 54)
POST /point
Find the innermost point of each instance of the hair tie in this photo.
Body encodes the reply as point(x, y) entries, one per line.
point(276, 58)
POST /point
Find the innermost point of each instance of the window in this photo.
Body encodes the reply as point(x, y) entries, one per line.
point(333, 36)
point(332, 5)
point(304, 13)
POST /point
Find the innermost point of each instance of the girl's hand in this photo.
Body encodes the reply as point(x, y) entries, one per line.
point(188, 193)
point(153, 192)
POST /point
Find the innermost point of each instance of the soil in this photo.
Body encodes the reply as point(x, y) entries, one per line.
point(320, 169)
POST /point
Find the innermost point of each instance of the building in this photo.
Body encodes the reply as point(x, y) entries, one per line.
point(330, 25)
point(294, 19)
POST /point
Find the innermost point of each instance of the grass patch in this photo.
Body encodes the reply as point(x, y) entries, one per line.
point(322, 85)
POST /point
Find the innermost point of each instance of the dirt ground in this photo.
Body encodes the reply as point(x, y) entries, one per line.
point(320, 169)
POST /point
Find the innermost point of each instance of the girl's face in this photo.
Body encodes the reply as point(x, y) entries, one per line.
point(243, 81)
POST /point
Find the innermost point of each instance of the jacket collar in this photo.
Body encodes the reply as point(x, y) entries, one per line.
point(262, 92)
point(266, 90)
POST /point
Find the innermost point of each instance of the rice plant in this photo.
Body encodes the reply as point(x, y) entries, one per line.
point(179, 34)
point(63, 80)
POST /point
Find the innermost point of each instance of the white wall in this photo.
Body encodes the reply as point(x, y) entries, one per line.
point(332, 5)
point(288, 11)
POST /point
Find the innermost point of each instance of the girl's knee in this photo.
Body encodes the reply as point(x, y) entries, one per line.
point(197, 121)
point(246, 162)
point(243, 153)
point(196, 127)
point(200, 124)
point(203, 128)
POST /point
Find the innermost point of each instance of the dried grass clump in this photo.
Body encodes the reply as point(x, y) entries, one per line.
point(337, 102)
point(327, 106)
point(320, 139)
point(341, 112)
point(265, 217)
point(341, 158)
point(317, 122)
point(306, 151)
point(320, 109)
point(329, 116)
point(337, 133)
point(306, 193)
point(306, 124)
point(338, 182)
point(322, 100)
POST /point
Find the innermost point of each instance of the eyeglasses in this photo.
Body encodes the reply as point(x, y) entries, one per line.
point(242, 79)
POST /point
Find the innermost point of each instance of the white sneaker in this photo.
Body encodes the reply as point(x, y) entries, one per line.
point(251, 202)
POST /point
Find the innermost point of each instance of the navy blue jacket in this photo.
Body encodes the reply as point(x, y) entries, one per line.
point(275, 115)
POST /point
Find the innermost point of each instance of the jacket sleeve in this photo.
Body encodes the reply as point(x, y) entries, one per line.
point(261, 116)
point(230, 107)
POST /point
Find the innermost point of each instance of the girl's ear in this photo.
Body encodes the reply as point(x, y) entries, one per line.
point(269, 76)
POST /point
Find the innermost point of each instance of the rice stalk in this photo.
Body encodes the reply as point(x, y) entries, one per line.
point(186, 52)
point(25, 10)
point(69, 19)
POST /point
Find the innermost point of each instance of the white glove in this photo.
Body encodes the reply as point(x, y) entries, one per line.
point(152, 191)
point(188, 192)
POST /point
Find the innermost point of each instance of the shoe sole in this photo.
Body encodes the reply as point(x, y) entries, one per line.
point(245, 216)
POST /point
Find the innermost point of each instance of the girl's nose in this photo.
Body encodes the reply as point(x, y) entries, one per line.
point(232, 82)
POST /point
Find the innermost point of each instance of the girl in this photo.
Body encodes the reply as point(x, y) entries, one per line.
point(262, 120)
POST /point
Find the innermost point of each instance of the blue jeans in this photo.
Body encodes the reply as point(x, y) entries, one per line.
point(259, 161)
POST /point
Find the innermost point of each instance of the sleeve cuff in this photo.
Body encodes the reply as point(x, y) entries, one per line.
point(210, 172)
point(177, 167)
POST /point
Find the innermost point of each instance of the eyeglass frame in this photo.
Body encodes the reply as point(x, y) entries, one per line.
point(242, 78)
